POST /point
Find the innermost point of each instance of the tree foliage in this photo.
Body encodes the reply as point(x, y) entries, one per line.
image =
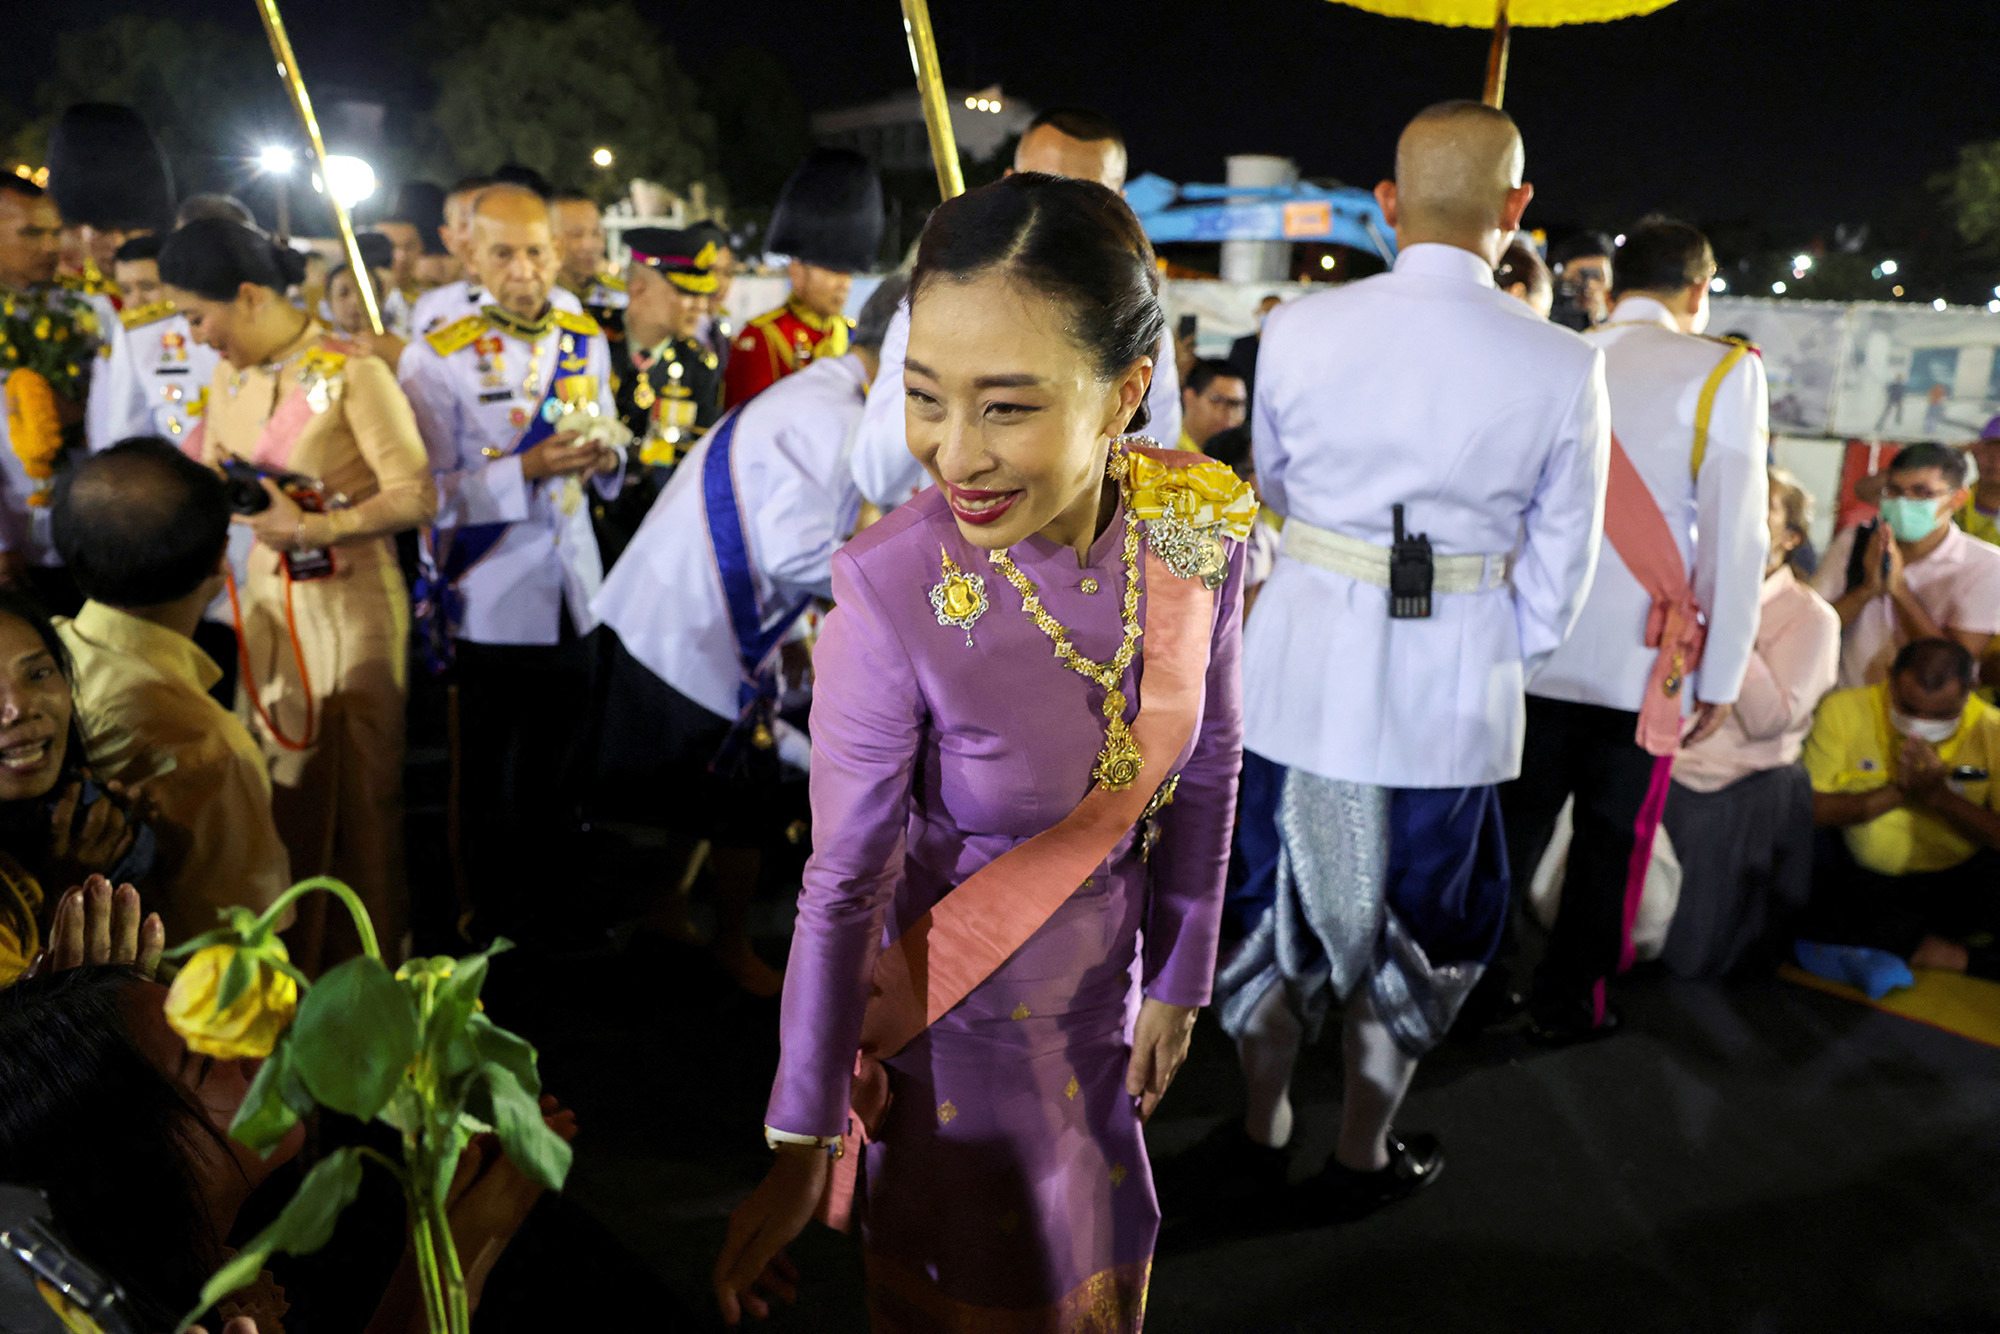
point(1971, 193)
point(207, 91)
point(759, 115)
point(549, 91)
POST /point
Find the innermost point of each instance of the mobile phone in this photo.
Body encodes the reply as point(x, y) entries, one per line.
point(1186, 328)
point(45, 1286)
point(1969, 773)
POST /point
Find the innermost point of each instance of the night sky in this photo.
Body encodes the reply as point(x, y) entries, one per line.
point(1794, 113)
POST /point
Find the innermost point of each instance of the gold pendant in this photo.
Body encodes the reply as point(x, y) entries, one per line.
point(1119, 763)
point(959, 598)
point(642, 395)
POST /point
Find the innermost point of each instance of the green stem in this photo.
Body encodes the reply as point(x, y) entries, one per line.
point(362, 925)
point(436, 1315)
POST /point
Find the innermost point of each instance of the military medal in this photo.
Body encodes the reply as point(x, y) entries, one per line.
point(959, 598)
point(517, 416)
point(1188, 552)
point(643, 395)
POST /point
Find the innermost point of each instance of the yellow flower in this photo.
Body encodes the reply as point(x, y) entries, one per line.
point(248, 1028)
point(34, 429)
point(42, 329)
point(1203, 495)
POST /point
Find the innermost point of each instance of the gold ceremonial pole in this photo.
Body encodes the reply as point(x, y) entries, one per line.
point(930, 87)
point(1496, 59)
point(288, 66)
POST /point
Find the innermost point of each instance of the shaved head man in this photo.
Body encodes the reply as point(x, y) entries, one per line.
point(513, 252)
point(1458, 180)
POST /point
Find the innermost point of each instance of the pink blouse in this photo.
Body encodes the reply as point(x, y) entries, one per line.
point(1794, 664)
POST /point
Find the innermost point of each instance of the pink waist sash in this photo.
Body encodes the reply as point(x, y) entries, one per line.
point(1638, 531)
point(972, 930)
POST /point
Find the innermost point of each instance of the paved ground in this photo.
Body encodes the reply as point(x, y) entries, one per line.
point(1754, 1158)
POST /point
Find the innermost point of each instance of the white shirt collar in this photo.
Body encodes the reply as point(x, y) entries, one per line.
point(1642, 310)
point(1437, 260)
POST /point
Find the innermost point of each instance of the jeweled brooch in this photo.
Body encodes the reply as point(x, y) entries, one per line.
point(959, 598)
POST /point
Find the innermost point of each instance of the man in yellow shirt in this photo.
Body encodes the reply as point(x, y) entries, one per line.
point(1903, 768)
point(1214, 399)
point(143, 529)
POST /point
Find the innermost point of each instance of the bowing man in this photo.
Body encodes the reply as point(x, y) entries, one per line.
point(1686, 524)
point(721, 574)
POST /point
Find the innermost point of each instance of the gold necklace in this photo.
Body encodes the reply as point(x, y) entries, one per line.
point(1119, 763)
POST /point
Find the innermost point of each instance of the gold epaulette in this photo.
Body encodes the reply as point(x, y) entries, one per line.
point(614, 281)
point(577, 323)
point(766, 320)
point(456, 335)
point(150, 313)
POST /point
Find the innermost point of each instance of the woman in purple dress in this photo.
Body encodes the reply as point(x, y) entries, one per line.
point(984, 699)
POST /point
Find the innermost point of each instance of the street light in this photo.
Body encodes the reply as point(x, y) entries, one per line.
point(1777, 289)
point(1718, 284)
point(276, 160)
point(348, 179)
point(602, 157)
point(1888, 268)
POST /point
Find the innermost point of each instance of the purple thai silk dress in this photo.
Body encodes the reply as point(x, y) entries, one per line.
point(1009, 1189)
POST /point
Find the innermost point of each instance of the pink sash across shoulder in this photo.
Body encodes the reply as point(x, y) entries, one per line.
point(1638, 531)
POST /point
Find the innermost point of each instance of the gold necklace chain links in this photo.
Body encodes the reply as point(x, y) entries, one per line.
point(1119, 762)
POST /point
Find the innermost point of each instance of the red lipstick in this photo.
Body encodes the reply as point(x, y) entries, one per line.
point(979, 507)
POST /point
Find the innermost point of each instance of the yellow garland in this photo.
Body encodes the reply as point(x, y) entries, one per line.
point(33, 428)
point(1203, 495)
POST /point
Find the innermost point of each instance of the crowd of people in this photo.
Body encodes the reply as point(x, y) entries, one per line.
point(955, 590)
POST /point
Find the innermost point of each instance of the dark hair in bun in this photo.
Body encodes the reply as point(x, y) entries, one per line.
point(214, 257)
point(1074, 241)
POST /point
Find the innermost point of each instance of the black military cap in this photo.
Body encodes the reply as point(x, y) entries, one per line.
point(830, 212)
point(684, 257)
point(106, 170)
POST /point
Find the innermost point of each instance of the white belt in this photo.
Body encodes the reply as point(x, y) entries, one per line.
point(1370, 564)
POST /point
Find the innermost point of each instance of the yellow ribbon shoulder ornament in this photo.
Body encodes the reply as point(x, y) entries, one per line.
point(1188, 510)
point(33, 428)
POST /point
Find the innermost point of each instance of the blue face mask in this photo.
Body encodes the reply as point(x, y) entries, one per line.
point(1911, 520)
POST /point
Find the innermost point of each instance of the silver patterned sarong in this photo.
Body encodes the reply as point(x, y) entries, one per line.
point(1330, 927)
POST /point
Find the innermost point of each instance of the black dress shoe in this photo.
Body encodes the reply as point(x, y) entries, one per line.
point(1225, 1169)
point(1493, 1001)
point(1341, 1194)
point(1568, 1025)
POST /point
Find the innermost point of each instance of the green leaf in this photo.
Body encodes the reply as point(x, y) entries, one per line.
point(355, 1034)
point(236, 980)
point(219, 936)
point(513, 1054)
point(304, 1226)
point(447, 1161)
point(457, 996)
point(517, 1120)
point(276, 1101)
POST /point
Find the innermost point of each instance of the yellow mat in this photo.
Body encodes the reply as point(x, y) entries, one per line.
point(1967, 1006)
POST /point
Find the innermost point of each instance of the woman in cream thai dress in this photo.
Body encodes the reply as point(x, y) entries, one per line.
point(324, 615)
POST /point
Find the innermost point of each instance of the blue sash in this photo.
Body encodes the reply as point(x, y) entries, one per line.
point(757, 691)
point(448, 553)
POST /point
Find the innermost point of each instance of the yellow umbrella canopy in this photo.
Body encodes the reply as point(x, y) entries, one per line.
point(1501, 15)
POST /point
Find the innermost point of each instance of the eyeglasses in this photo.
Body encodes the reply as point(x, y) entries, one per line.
point(1224, 402)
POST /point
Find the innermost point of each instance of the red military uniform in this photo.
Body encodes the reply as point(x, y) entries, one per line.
point(777, 343)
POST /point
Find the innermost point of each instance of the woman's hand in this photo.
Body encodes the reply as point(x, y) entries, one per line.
point(96, 924)
point(490, 1198)
point(75, 854)
point(753, 1254)
point(1159, 1045)
point(278, 525)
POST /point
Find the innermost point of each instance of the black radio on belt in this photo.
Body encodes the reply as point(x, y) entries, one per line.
point(1409, 574)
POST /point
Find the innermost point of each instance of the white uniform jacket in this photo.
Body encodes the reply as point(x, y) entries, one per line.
point(155, 381)
point(472, 404)
point(888, 474)
point(1656, 376)
point(1423, 386)
point(796, 494)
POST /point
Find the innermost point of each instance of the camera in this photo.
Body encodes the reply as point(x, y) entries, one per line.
point(243, 483)
point(45, 1287)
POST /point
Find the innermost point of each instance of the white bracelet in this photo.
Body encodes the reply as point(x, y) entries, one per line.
point(834, 1145)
